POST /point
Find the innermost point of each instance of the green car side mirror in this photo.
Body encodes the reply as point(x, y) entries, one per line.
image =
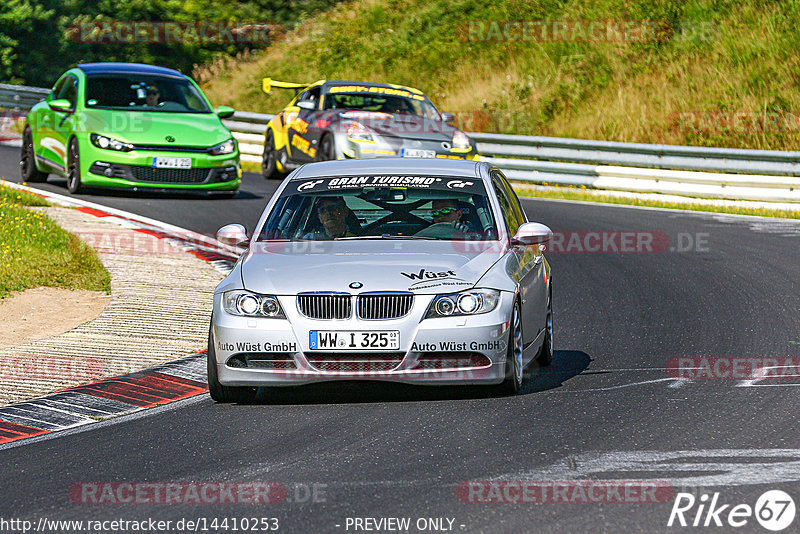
point(61, 104)
point(224, 112)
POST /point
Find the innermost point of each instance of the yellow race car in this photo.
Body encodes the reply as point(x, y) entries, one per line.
point(329, 120)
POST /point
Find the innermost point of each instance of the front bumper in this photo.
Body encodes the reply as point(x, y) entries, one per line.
point(134, 170)
point(439, 351)
point(392, 147)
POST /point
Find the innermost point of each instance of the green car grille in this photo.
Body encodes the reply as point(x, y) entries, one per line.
point(142, 173)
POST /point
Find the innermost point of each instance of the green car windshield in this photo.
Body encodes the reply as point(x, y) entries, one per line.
point(137, 92)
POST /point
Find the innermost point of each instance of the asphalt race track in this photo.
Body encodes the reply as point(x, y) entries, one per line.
point(607, 409)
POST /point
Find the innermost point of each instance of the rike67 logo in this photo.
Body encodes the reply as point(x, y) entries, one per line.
point(774, 510)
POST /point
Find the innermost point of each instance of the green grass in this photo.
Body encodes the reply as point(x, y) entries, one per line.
point(35, 251)
point(711, 60)
point(585, 195)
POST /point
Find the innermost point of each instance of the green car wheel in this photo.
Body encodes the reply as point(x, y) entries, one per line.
point(27, 161)
point(74, 168)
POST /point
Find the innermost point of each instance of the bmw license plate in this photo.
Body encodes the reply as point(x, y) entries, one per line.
point(172, 163)
point(417, 153)
point(353, 340)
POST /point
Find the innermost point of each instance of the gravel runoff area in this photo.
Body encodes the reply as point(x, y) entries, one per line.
point(159, 311)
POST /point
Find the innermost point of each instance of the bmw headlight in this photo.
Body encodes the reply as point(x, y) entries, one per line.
point(249, 304)
point(460, 140)
point(109, 143)
point(471, 302)
point(358, 132)
point(228, 147)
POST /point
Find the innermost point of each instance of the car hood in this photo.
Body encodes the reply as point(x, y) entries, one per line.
point(152, 128)
point(401, 125)
point(423, 267)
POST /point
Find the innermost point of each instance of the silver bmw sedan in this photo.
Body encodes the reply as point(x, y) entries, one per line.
point(421, 271)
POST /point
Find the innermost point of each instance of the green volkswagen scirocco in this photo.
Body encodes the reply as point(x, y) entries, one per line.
point(133, 126)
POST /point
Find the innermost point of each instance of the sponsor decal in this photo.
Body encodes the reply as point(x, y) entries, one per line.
point(425, 274)
point(376, 115)
point(413, 181)
point(445, 282)
point(266, 346)
point(54, 145)
point(303, 145)
point(498, 345)
point(426, 279)
point(309, 185)
point(299, 125)
point(375, 90)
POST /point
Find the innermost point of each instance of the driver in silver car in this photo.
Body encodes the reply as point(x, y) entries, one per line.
point(336, 218)
point(446, 211)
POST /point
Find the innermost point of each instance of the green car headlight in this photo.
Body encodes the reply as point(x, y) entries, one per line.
point(228, 147)
point(471, 302)
point(249, 304)
point(109, 143)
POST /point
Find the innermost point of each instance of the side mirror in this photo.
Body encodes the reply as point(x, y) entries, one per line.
point(232, 234)
point(448, 117)
point(306, 104)
point(224, 112)
point(533, 234)
point(61, 104)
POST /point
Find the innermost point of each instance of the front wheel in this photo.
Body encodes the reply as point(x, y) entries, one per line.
point(74, 184)
point(27, 160)
point(326, 151)
point(269, 160)
point(545, 356)
point(219, 392)
point(514, 369)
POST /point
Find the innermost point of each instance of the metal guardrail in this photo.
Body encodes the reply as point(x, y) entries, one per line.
point(20, 97)
point(682, 170)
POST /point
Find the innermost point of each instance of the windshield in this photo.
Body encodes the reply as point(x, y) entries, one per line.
point(421, 107)
point(138, 92)
point(381, 207)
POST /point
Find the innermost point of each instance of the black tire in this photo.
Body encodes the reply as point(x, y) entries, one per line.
point(514, 368)
point(269, 160)
point(74, 184)
point(326, 151)
point(545, 356)
point(27, 160)
point(222, 393)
